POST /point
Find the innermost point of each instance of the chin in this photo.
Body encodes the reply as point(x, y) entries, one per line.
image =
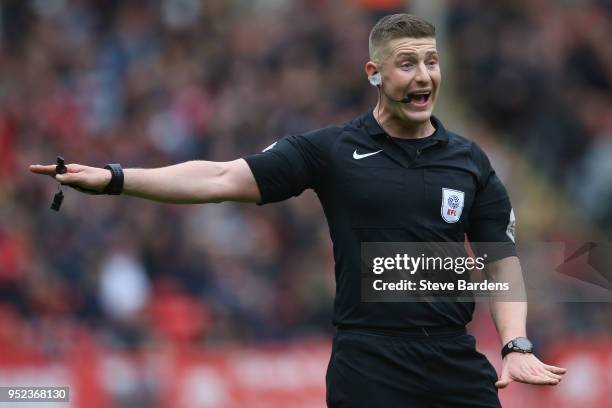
point(416, 116)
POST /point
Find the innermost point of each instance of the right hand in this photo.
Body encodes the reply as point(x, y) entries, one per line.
point(90, 178)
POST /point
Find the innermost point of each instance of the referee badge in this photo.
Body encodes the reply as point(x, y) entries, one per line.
point(511, 228)
point(452, 204)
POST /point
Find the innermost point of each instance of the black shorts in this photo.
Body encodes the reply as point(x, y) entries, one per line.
point(370, 369)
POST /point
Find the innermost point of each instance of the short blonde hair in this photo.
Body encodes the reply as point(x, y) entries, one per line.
point(395, 26)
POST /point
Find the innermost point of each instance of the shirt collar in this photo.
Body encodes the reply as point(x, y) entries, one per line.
point(374, 129)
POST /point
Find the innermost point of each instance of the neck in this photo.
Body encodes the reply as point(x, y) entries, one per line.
point(398, 125)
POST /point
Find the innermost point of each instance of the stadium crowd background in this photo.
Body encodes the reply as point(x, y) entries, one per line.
point(151, 83)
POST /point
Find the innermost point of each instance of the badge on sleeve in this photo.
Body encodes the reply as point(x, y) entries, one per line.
point(511, 228)
point(452, 204)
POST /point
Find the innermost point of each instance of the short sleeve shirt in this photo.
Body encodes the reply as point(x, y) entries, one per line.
point(375, 188)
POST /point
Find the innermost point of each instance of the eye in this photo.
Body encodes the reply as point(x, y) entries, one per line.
point(432, 63)
point(407, 65)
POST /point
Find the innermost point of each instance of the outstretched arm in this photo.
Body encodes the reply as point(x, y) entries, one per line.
point(510, 319)
point(190, 182)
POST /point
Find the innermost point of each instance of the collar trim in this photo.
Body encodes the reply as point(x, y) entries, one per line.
point(374, 129)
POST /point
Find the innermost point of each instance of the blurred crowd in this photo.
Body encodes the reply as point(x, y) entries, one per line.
point(147, 84)
point(152, 83)
point(540, 74)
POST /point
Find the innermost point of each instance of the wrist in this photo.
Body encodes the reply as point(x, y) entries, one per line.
point(108, 175)
point(517, 345)
point(506, 338)
point(115, 183)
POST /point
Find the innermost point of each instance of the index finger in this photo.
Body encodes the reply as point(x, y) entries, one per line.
point(48, 170)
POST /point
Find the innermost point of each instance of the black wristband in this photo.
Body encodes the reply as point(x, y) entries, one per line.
point(115, 187)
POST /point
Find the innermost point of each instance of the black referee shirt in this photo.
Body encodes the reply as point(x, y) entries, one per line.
point(376, 188)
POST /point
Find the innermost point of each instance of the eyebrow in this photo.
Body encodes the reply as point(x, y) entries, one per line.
point(414, 54)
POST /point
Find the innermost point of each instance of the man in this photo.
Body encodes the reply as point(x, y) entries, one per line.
point(380, 178)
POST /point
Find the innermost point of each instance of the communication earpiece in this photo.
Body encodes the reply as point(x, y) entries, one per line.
point(375, 79)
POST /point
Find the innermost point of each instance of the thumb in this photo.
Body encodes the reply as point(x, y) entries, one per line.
point(66, 178)
point(504, 381)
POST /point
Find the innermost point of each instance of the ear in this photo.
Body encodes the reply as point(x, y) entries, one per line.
point(374, 77)
point(370, 68)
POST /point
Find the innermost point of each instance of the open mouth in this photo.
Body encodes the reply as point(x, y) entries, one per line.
point(419, 98)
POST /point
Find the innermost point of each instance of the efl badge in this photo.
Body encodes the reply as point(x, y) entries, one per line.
point(452, 205)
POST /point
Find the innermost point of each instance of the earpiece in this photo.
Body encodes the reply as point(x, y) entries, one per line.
point(375, 79)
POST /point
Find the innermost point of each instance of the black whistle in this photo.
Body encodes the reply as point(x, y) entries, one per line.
point(60, 168)
point(58, 198)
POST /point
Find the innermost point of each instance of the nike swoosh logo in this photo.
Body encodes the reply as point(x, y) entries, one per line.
point(358, 156)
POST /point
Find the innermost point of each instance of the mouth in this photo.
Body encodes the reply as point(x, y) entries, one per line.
point(419, 98)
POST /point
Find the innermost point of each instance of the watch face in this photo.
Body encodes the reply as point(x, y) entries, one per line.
point(523, 344)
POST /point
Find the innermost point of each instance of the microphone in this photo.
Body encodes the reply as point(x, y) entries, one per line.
point(405, 99)
point(376, 80)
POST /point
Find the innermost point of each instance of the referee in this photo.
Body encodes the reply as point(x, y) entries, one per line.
point(380, 177)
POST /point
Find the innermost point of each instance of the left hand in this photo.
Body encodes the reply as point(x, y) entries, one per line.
point(526, 368)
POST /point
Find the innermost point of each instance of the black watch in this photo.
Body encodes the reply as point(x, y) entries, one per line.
point(519, 344)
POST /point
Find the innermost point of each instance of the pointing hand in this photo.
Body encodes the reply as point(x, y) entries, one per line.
point(79, 177)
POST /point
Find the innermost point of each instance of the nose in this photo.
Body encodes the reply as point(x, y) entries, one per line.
point(422, 74)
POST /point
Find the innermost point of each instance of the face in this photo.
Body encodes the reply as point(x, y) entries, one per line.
point(410, 67)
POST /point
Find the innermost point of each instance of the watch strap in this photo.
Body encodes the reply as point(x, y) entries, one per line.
point(115, 186)
point(507, 349)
